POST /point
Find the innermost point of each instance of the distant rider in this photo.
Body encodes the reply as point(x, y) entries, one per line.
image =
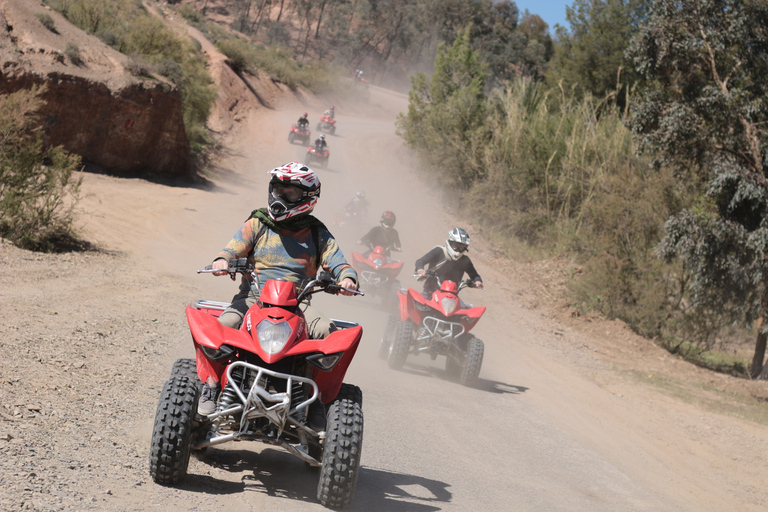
point(303, 122)
point(330, 113)
point(449, 262)
point(385, 235)
point(320, 144)
point(358, 205)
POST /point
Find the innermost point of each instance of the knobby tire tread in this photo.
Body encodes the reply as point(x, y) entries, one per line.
point(172, 431)
point(341, 454)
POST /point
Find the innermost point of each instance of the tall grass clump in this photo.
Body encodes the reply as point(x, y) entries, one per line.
point(38, 189)
point(126, 26)
point(564, 174)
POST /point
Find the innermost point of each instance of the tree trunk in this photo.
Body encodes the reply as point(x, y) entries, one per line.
point(758, 370)
point(280, 13)
point(319, 19)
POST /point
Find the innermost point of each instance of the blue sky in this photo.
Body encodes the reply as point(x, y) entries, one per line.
point(551, 11)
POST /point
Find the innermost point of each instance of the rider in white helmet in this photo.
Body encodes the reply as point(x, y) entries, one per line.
point(449, 262)
point(282, 241)
point(320, 143)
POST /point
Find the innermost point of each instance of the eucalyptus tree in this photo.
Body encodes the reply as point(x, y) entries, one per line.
point(704, 112)
point(590, 56)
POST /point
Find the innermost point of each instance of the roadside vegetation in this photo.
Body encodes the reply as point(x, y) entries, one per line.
point(38, 188)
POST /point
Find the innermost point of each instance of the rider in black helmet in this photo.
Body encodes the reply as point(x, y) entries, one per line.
point(384, 235)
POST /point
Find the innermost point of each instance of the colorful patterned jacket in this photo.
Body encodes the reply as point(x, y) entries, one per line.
point(287, 255)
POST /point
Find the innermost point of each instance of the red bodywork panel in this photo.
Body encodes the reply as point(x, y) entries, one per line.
point(390, 268)
point(207, 331)
point(408, 310)
point(279, 293)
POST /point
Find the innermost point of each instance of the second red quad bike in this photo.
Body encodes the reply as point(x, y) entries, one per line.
point(314, 155)
point(299, 134)
point(378, 273)
point(276, 386)
point(438, 326)
point(326, 124)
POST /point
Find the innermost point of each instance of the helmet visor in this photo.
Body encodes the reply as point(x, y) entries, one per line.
point(287, 192)
point(458, 246)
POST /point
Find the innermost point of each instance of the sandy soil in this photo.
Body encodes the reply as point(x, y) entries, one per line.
point(569, 413)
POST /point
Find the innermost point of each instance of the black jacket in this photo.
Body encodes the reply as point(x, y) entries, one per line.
point(452, 270)
point(386, 238)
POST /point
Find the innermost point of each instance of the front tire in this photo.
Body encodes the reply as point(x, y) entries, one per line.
point(185, 368)
point(398, 351)
point(350, 392)
point(472, 362)
point(390, 329)
point(308, 158)
point(341, 454)
point(172, 432)
point(291, 136)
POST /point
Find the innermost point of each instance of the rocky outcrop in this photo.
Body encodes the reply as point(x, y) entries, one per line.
point(94, 106)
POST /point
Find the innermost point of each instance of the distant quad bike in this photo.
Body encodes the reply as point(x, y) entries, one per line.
point(299, 134)
point(326, 124)
point(314, 155)
point(378, 273)
point(438, 327)
point(270, 375)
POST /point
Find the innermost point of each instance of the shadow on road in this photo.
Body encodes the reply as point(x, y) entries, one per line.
point(278, 474)
point(490, 386)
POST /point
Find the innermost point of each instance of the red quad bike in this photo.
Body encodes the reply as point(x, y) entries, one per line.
point(326, 124)
point(298, 134)
point(270, 374)
point(378, 273)
point(313, 154)
point(439, 327)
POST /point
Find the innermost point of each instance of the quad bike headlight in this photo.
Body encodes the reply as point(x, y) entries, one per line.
point(378, 262)
point(448, 304)
point(273, 335)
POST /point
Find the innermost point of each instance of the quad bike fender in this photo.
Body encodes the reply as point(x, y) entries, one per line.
point(207, 331)
point(346, 341)
point(473, 314)
point(407, 309)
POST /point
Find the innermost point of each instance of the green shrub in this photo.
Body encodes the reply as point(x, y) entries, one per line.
point(72, 51)
point(46, 20)
point(38, 190)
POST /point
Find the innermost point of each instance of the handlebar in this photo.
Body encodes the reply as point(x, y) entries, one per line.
point(466, 283)
point(322, 282)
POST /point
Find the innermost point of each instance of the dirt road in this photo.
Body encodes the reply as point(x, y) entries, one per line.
point(560, 420)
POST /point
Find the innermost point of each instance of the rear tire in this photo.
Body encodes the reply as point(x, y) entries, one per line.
point(472, 362)
point(341, 454)
point(172, 432)
point(390, 330)
point(398, 351)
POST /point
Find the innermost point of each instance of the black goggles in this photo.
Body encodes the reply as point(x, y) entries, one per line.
point(458, 246)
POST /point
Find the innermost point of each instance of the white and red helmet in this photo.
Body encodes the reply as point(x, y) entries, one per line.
point(457, 243)
point(297, 175)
